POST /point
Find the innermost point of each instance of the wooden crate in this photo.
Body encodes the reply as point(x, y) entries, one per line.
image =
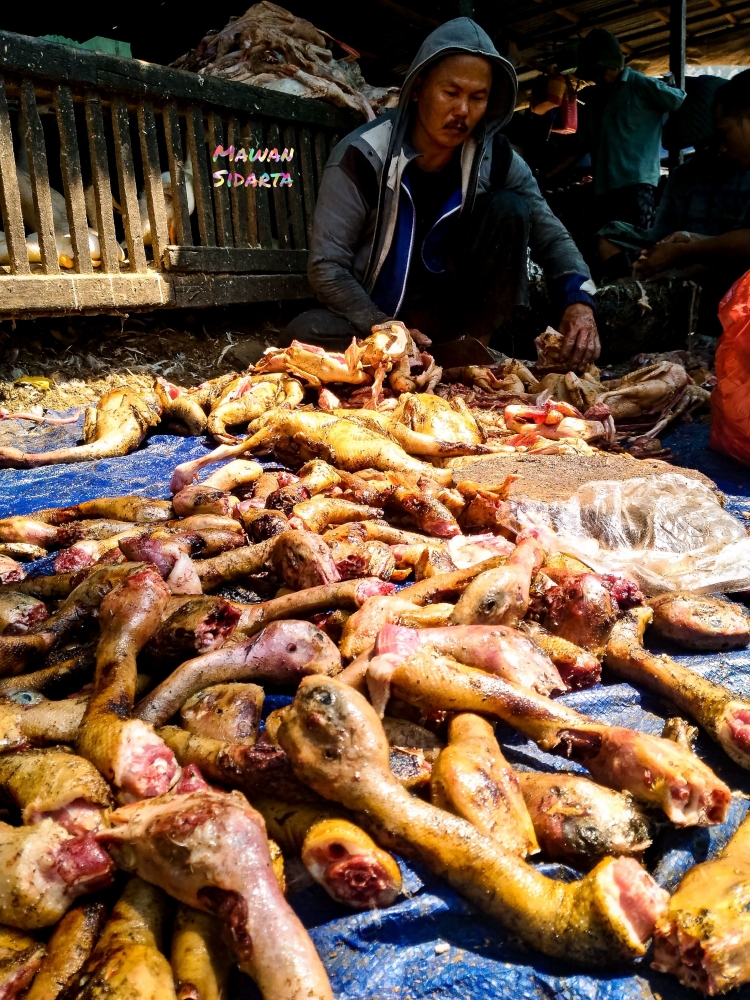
point(101, 130)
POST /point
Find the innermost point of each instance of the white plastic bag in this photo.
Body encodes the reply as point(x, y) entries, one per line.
point(668, 532)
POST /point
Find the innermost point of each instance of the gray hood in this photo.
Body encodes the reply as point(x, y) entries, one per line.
point(462, 35)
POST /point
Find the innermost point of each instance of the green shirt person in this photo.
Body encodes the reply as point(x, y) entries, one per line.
point(621, 126)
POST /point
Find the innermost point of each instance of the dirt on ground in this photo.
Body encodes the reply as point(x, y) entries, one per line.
point(557, 477)
point(56, 364)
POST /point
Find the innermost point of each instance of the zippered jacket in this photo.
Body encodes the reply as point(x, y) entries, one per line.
point(362, 240)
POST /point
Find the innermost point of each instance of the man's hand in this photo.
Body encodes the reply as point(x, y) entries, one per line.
point(671, 252)
point(581, 345)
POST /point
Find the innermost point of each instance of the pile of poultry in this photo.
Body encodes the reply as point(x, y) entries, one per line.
point(269, 47)
point(406, 617)
point(385, 403)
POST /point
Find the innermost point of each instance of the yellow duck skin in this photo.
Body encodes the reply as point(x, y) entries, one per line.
point(338, 746)
point(339, 855)
point(126, 751)
point(127, 961)
point(201, 961)
point(472, 779)
point(704, 937)
point(724, 717)
point(652, 769)
point(70, 945)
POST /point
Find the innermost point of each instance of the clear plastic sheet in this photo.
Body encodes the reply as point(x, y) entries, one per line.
point(668, 532)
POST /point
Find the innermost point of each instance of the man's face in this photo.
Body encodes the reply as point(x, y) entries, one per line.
point(453, 97)
point(735, 136)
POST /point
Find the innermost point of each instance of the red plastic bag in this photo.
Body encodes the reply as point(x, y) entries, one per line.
point(730, 400)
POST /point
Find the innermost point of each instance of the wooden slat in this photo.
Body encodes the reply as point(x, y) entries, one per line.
point(128, 189)
point(146, 81)
point(280, 207)
point(222, 194)
point(321, 155)
point(251, 197)
point(39, 176)
point(70, 164)
point(294, 193)
point(259, 196)
point(238, 200)
point(105, 223)
point(178, 217)
point(303, 174)
point(28, 295)
point(231, 260)
point(201, 180)
point(157, 212)
point(201, 177)
point(10, 199)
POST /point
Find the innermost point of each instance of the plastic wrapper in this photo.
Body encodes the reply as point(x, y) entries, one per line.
point(667, 532)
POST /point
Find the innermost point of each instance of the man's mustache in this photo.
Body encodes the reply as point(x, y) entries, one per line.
point(457, 124)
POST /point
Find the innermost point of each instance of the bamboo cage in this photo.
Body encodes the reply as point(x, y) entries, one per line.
point(129, 147)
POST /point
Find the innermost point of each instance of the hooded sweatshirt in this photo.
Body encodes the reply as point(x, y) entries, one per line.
point(362, 240)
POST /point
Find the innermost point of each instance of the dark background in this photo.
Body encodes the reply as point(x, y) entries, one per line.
point(386, 34)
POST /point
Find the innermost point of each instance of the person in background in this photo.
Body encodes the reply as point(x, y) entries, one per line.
point(426, 215)
point(620, 126)
point(704, 215)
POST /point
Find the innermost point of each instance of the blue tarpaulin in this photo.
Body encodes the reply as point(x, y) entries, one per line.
point(401, 953)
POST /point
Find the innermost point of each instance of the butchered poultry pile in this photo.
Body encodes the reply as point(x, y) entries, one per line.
point(406, 608)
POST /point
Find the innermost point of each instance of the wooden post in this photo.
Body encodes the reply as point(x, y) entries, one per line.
point(180, 221)
point(39, 177)
point(157, 212)
point(70, 165)
point(105, 223)
point(237, 195)
point(131, 216)
point(222, 195)
point(10, 199)
point(201, 177)
point(677, 20)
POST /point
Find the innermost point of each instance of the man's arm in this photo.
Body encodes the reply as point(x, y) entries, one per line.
point(695, 249)
point(568, 277)
point(340, 218)
point(661, 96)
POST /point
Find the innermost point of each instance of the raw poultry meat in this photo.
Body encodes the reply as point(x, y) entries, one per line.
point(695, 621)
point(255, 770)
point(281, 654)
point(579, 822)
point(724, 717)
point(704, 936)
point(229, 712)
point(191, 626)
point(654, 770)
point(577, 666)
point(339, 855)
point(472, 779)
point(45, 868)
point(307, 434)
point(127, 959)
point(70, 945)
point(501, 596)
point(269, 47)
point(173, 842)
point(247, 398)
point(200, 958)
point(21, 955)
point(56, 784)
point(338, 746)
point(495, 648)
point(117, 426)
point(126, 750)
point(18, 613)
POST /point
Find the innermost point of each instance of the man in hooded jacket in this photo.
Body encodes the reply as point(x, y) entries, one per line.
point(426, 214)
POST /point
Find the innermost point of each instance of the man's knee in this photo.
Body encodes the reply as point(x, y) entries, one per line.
point(321, 327)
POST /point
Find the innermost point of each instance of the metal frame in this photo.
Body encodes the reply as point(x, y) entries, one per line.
point(132, 121)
